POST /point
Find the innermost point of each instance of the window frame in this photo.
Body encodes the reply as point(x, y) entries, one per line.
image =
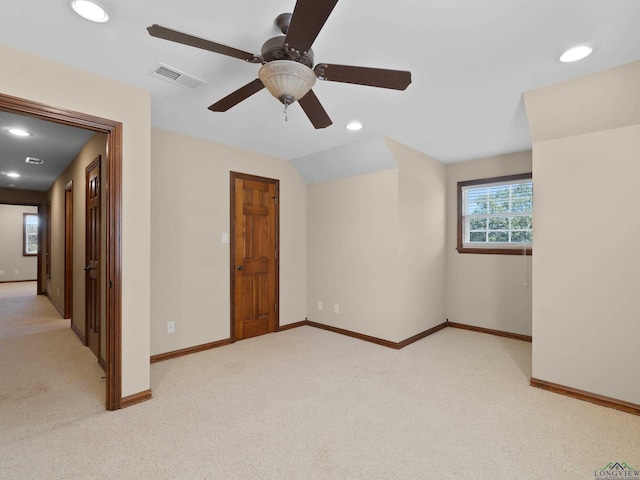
point(25, 234)
point(502, 250)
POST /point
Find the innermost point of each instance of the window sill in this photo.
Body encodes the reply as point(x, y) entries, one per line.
point(494, 251)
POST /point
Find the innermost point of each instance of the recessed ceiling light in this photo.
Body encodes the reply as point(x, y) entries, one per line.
point(13, 174)
point(576, 53)
point(353, 126)
point(18, 132)
point(90, 10)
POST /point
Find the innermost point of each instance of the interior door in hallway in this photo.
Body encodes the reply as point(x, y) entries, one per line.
point(254, 256)
point(92, 265)
point(68, 250)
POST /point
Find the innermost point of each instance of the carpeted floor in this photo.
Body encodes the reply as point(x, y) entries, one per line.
point(311, 404)
point(48, 377)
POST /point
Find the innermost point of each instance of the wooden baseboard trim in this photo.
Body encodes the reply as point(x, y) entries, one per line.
point(136, 398)
point(78, 333)
point(349, 333)
point(161, 357)
point(293, 325)
point(102, 363)
point(421, 335)
point(59, 309)
point(499, 333)
point(360, 336)
point(621, 405)
point(376, 340)
point(17, 281)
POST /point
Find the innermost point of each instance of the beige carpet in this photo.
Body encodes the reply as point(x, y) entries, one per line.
point(311, 404)
point(47, 376)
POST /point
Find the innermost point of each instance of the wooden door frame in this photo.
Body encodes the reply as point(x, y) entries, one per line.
point(68, 250)
point(232, 244)
point(113, 188)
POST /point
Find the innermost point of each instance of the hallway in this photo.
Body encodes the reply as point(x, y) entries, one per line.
point(48, 377)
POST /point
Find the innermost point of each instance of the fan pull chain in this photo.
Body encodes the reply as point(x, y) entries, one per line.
point(286, 117)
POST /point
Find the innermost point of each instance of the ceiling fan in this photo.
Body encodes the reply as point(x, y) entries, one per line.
point(288, 70)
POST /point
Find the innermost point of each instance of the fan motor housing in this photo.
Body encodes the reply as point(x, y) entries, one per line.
point(275, 49)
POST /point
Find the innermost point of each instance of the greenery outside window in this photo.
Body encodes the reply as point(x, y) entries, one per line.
point(29, 234)
point(495, 215)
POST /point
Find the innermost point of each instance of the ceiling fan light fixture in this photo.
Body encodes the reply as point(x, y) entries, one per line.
point(287, 80)
point(90, 10)
point(576, 53)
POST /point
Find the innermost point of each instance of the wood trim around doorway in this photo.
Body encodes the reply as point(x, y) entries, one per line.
point(113, 232)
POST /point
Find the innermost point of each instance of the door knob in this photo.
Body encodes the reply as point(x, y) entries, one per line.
point(240, 267)
point(87, 268)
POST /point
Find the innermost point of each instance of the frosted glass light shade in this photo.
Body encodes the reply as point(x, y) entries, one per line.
point(287, 80)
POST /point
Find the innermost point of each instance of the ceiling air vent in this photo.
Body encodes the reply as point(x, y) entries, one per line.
point(34, 161)
point(175, 76)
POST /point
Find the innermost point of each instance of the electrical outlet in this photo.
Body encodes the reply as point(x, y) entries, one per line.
point(1, 272)
point(171, 327)
point(320, 306)
point(336, 308)
point(16, 271)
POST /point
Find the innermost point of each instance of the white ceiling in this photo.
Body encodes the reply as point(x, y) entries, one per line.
point(470, 62)
point(53, 143)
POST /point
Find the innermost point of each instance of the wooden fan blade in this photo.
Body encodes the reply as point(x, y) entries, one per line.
point(238, 96)
point(309, 16)
point(314, 110)
point(185, 39)
point(373, 77)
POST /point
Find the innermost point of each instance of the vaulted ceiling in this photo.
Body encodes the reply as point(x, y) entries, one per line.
point(470, 63)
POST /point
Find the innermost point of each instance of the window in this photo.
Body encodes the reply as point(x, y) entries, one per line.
point(495, 215)
point(29, 234)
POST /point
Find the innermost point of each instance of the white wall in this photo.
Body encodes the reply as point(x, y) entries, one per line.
point(190, 212)
point(586, 302)
point(70, 88)
point(586, 306)
point(421, 240)
point(353, 253)
point(376, 248)
point(486, 290)
point(11, 248)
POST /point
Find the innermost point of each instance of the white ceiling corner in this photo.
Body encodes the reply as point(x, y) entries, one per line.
point(367, 155)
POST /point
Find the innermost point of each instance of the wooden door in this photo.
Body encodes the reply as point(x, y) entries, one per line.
point(92, 265)
point(68, 250)
point(254, 256)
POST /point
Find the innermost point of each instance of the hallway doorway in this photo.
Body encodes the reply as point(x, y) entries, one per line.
point(112, 230)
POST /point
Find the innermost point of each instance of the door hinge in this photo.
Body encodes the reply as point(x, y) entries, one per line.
point(275, 254)
point(275, 307)
point(275, 199)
